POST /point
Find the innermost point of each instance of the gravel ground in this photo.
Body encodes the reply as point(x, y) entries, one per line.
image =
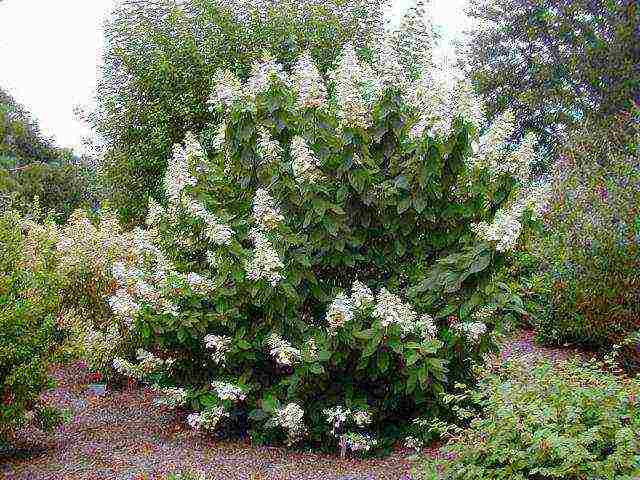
point(124, 435)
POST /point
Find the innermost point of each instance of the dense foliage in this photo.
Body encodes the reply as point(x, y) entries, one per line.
point(590, 251)
point(574, 421)
point(557, 64)
point(20, 139)
point(161, 58)
point(253, 286)
point(29, 305)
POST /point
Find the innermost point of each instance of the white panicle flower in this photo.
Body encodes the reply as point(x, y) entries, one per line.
point(466, 103)
point(283, 353)
point(226, 88)
point(221, 136)
point(193, 150)
point(340, 312)
point(504, 231)
point(426, 327)
point(177, 176)
point(228, 391)
point(215, 231)
point(522, 158)
point(264, 72)
point(172, 397)
point(268, 148)
point(391, 72)
point(207, 419)
point(220, 345)
point(149, 363)
point(391, 310)
point(266, 262)
point(431, 96)
point(336, 417)
point(155, 214)
point(361, 295)
point(127, 369)
point(418, 129)
point(490, 149)
point(124, 306)
point(414, 38)
point(304, 163)
point(473, 330)
point(356, 88)
point(265, 212)
point(311, 89)
point(362, 418)
point(413, 443)
point(291, 419)
point(358, 442)
point(199, 284)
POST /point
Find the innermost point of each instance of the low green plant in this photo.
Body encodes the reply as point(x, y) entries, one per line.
point(29, 304)
point(575, 421)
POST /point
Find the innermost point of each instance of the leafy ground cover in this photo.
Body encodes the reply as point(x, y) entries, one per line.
point(125, 435)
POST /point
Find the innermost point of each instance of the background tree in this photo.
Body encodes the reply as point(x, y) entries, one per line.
point(556, 63)
point(161, 57)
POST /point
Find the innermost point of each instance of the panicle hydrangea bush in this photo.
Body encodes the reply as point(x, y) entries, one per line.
point(316, 274)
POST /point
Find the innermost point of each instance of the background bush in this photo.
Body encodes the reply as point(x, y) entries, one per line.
point(571, 421)
point(589, 254)
point(29, 305)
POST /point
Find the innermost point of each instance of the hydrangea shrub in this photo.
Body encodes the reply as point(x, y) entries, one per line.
point(319, 266)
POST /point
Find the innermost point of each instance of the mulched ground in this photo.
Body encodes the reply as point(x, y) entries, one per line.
point(125, 434)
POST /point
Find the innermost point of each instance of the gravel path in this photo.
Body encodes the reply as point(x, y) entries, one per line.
point(124, 435)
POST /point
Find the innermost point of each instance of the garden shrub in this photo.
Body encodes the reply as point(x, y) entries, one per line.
point(590, 252)
point(571, 421)
point(318, 266)
point(29, 305)
point(161, 58)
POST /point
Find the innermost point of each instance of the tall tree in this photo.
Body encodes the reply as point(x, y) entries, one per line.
point(556, 63)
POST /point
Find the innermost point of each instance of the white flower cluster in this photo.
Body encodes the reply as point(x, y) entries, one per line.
point(127, 369)
point(155, 214)
point(177, 177)
point(358, 442)
point(228, 391)
point(356, 87)
point(172, 397)
point(220, 345)
point(207, 419)
point(414, 38)
point(199, 284)
point(473, 330)
point(215, 231)
point(490, 147)
point(266, 263)
point(340, 312)
point(361, 295)
point(282, 351)
point(392, 311)
point(291, 419)
point(311, 89)
point(504, 230)
point(265, 212)
point(149, 363)
point(304, 163)
point(263, 73)
point(194, 152)
point(426, 327)
point(413, 443)
point(124, 306)
point(269, 149)
point(226, 88)
point(221, 136)
point(338, 416)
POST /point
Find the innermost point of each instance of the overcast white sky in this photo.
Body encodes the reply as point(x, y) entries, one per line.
point(50, 51)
